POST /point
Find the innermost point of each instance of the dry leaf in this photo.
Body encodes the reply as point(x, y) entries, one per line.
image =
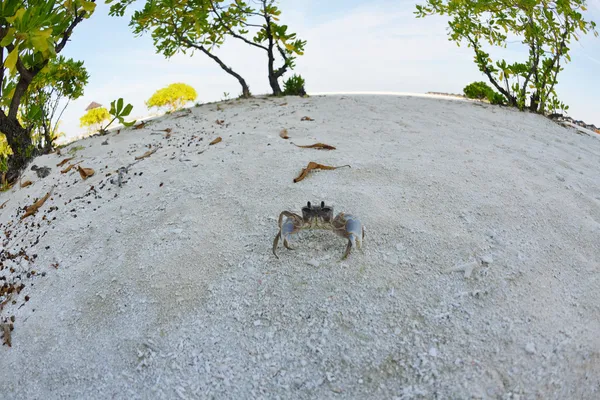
point(284, 134)
point(140, 125)
point(220, 121)
point(306, 119)
point(3, 204)
point(63, 162)
point(146, 154)
point(313, 165)
point(217, 140)
point(283, 104)
point(85, 172)
point(32, 209)
point(6, 334)
point(64, 171)
point(316, 146)
point(26, 183)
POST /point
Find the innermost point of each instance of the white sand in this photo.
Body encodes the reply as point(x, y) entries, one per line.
point(172, 291)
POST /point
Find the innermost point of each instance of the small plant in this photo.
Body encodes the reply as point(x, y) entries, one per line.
point(94, 118)
point(73, 150)
point(225, 96)
point(174, 96)
point(481, 90)
point(117, 111)
point(294, 86)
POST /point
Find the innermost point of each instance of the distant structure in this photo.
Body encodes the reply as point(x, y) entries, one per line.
point(93, 105)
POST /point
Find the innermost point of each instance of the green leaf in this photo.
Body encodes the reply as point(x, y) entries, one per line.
point(127, 110)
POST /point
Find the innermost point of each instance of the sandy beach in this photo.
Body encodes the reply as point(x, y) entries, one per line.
point(479, 275)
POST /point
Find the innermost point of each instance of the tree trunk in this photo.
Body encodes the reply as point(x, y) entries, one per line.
point(19, 140)
point(242, 81)
point(273, 78)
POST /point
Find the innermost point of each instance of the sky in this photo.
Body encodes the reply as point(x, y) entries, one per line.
point(352, 45)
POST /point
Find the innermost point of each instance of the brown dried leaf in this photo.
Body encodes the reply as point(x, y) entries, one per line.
point(26, 183)
point(146, 154)
point(140, 125)
point(3, 204)
point(32, 209)
point(64, 171)
point(313, 165)
point(85, 172)
point(307, 119)
point(284, 134)
point(220, 121)
point(6, 334)
point(217, 140)
point(283, 104)
point(322, 146)
point(63, 162)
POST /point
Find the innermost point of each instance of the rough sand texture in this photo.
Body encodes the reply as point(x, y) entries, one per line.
point(479, 276)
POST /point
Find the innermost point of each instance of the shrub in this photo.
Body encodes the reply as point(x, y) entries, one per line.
point(294, 86)
point(174, 96)
point(95, 116)
point(481, 90)
point(477, 90)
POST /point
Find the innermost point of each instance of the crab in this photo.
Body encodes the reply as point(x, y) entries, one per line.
point(319, 217)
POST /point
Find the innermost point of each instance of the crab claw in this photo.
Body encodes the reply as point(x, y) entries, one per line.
point(350, 227)
point(291, 225)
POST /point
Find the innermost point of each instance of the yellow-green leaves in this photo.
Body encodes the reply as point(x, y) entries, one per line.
point(88, 6)
point(41, 41)
point(17, 17)
point(11, 60)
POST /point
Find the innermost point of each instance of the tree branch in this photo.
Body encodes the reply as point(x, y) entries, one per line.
point(231, 31)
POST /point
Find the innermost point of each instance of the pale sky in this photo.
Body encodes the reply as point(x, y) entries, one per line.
point(353, 45)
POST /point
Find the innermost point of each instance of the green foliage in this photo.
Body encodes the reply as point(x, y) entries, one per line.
point(32, 33)
point(184, 25)
point(119, 111)
point(481, 90)
point(174, 96)
point(545, 28)
point(477, 90)
point(294, 86)
point(48, 96)
point(239, 19)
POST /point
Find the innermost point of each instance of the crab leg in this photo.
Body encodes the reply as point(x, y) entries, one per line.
point(292, 225)
point(350, 227)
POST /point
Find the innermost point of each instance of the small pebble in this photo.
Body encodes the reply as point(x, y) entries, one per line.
point(530, 348)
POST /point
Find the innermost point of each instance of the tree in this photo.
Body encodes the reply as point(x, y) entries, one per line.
point(180, 26)
point(49, 95)
point(31, 34)
point(173, 96)
point(237, 19)
point(546, 28)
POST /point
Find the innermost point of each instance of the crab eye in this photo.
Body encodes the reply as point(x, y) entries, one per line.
point(322, 204)
point(308, 204)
